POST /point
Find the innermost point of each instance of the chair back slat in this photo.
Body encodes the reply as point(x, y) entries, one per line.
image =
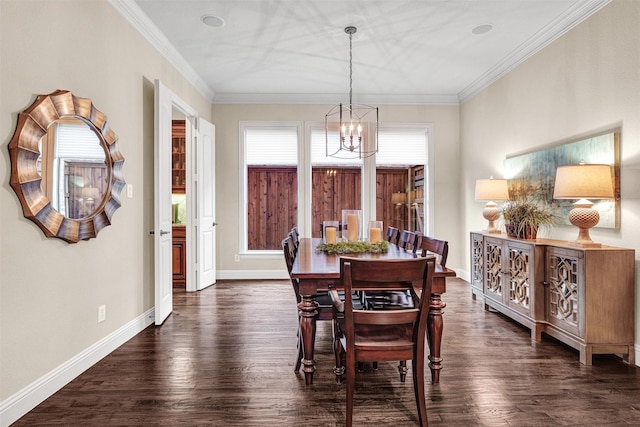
point(409, 241)
point(393, 234)
point(440, 248)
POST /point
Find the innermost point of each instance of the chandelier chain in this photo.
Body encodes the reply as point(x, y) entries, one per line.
point(350, 71)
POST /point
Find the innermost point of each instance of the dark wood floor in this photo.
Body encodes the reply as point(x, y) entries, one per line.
point(225, 358)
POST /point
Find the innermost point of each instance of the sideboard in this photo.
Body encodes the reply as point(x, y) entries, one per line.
point(583, 297)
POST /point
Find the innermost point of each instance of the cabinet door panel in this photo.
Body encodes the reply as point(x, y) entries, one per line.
point(493, 262)
point(564, 293)
point(520, 263)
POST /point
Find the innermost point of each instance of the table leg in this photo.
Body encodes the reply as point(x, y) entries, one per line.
point(434, 333)
point(308, 313)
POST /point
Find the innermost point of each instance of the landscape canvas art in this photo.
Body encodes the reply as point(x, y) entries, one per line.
point(533, 174)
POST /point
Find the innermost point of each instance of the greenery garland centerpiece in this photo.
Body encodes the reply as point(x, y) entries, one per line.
point(345, 247)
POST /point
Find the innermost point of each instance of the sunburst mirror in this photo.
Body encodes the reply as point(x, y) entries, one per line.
point(65, 166)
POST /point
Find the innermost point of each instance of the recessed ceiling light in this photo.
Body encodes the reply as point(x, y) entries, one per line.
point(213, 21)
point(482, 29)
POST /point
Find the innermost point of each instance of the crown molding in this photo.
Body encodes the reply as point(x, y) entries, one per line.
point(141, 22)
point(332, 99)
point(573, 16)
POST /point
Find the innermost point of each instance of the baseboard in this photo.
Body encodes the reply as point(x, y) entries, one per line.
point(463, 274)
point(31, 396)
point(251, 274)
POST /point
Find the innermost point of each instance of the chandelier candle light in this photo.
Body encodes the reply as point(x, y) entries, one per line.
point(350, 143)
point(583, 182)
point(488, 190)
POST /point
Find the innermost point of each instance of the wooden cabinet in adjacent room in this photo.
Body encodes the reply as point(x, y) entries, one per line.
point(179, 256)
point(583, 297)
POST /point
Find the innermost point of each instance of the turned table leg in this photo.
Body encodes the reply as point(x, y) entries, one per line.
point(308, 313)
point(434, 333)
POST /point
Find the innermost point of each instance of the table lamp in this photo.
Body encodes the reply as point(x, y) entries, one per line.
point(583, 182)
point(488, 190)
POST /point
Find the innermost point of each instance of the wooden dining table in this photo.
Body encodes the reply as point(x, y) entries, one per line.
point(318, 271)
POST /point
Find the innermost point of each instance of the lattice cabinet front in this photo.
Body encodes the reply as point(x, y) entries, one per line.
point(564, 282)
point(477, 265)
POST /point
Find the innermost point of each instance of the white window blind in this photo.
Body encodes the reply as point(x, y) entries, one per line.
point(272, 146)
point(78, 141)
point(399, 147)
point(396, 147)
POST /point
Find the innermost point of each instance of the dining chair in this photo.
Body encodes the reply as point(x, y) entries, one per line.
point(409, 241)
point(322, 298)
point(440, 248)
point(383, 335)
point(392, 235)
point(296, 237)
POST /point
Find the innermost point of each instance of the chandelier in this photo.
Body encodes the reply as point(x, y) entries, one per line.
point(350, 143)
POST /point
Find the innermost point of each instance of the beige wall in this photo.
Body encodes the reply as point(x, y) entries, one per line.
point(50, 290)
point(445, 121)
point(586, 81)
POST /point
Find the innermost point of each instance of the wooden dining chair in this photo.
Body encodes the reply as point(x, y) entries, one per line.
point(296, 237)
point(440, 248)
point(383, 335)
point(322, 298)
point(393, 234)
point(409, 241)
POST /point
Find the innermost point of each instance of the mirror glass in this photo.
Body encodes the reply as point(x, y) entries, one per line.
point(73, 168)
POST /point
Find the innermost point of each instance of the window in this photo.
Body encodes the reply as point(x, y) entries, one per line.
point(336, 183)
point(289, 181)
point(271, 186)
point(400, 179)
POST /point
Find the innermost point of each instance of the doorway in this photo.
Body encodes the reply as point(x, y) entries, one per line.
point(197, 176)
point(179, 212)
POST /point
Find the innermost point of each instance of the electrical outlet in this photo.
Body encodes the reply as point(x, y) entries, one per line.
point(102, 313)
point(130, 190)
point(237, 258)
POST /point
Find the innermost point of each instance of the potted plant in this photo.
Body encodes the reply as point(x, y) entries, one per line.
point(523, 218)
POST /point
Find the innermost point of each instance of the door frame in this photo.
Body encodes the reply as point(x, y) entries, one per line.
point(175, 103)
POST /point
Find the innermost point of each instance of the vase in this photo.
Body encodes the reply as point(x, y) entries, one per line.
point(526, 233)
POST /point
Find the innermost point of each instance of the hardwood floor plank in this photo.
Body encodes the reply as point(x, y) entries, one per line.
point(225, 357)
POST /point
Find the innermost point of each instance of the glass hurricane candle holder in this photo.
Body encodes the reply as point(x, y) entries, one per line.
point(330, 231)
point(375, 231)
point(351, 225)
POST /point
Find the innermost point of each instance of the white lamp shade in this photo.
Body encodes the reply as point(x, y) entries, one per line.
point(583, 182)
point(491, 189)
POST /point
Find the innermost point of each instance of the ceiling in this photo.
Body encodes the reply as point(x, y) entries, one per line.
point(404, 51)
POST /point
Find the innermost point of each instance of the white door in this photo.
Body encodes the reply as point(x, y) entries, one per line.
point(206, 204)
point(162, 204)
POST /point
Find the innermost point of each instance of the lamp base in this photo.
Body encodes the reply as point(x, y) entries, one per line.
point(491, 213)
point(584, 217)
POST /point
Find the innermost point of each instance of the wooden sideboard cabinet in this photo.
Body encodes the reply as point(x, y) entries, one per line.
point(179, 256)
point(583, 297)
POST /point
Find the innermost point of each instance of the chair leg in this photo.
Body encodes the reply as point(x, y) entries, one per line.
point(338, 353)
point(418, 389)
point(351, 386)
point(402, 368)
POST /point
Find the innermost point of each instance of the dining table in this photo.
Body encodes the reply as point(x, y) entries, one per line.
point(317, 270)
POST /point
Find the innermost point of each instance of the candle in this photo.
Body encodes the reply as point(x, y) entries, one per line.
point(330, 235)
point(374, 235)
point(352, 227)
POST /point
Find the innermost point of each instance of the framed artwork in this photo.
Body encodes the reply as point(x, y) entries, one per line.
point(534, 174)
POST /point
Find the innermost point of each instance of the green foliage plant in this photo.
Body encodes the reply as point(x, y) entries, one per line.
point(345, 247)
